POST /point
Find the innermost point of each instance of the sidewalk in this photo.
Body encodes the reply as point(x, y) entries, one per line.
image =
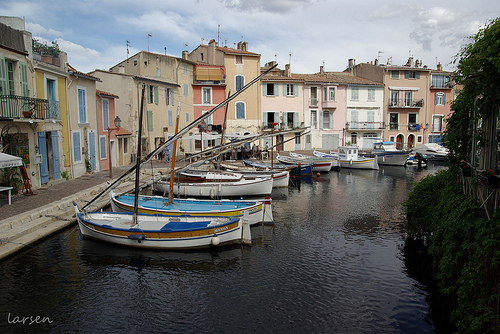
point(32, 218)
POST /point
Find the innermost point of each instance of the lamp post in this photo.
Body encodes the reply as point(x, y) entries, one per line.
point(117, 122)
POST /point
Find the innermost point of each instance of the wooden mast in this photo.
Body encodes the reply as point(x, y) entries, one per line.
point(138, 158)
point(174, 151)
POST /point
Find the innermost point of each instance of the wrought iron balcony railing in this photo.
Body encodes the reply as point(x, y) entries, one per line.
point(14, 106)
point(406, 103)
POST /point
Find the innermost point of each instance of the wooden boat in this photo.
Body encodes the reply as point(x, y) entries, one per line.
point(159, 231)
point(322, 166)
point(388, 154)
point(280, 177)
point(335, 162)
point(258, 211)
point(294, 170)
point(205, 187)
point(162, 232)
point(349, 158)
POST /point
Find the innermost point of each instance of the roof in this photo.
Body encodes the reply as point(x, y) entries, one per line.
point(122, 132)
point(233, 51)
point(106, 94)
point(74, 72)
point(160, 81)
point(325, 77)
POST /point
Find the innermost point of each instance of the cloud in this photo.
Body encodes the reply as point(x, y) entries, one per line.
point(273, 6)
point(37, 29)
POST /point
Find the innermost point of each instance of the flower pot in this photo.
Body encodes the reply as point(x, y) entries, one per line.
point(27, 114)
point(467, 172)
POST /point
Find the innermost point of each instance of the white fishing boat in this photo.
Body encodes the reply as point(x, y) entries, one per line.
point(335, 162)
point(349, 158)
point(388, 154)
point(258, 211)
point(206, 187)
point(321, 166)
point(280, 177)
point(162, 232)
point(431, 151)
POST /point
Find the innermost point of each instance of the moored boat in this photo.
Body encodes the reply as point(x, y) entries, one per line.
point(315, 160)
point(295, 170)
point(388, 154)
point(349, 158)
point(320, 166)
point(431, 151)
point(258, 210)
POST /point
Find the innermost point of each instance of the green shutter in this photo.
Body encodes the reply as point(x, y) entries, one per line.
point(284, 89)
point(148, 89)
point(3, 77)
point(296, 89)
point(276, 89)
point(264, 89)
point(418, 74)
point(295, 119)
point(156, 94)
point(150, 120)
point(407, 75)
point(24, 80)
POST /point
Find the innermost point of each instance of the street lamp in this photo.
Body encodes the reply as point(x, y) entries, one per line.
point(117, 122)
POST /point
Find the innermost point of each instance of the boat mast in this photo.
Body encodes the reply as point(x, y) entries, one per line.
point(174, 150)
point(138, 158)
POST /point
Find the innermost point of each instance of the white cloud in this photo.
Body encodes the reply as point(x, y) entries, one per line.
point(37, 29)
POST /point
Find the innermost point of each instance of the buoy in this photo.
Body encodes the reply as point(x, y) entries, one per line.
point(215, 241)
point(318, 174)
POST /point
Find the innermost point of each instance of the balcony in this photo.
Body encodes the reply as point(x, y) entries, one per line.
point(267, 126)
point(365, 125)
point(13, 106)
point(313, 102)
point(329, 104)
point(406, 103)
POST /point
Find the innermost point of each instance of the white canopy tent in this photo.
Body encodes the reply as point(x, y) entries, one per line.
point(7, 160)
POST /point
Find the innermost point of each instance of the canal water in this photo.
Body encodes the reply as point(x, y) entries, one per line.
point(331, 263)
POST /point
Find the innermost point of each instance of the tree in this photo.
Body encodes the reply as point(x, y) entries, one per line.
point(472, 124)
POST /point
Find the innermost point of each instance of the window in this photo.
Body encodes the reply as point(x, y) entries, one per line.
point(327, 120)
point(240, 82)
point(437, 123)
point(371, 94)
point(393, 121)
point(82, 106)
point(297, 138)
point(209, 119)
point(207, 95)
point(394, 74)
point(354, 93)
point(439, 81)
point(354, 139)
point(185, 67)
point(440, 99)
point(314, 119)
point(77, 147)
point(408, 101)
point(290, 90)
point(125, 145)
point(332, 93)
point(169, 96)
point(412, 119)
point(152, 94)
point(187, 117)
point(270, 89)
point(354, 119)
point(412, 74)
point(238, 59)
point(103, 147)
point(240, 110)
point(371, 119)
point(105, 114)
point(394, 98)
point(435, 139)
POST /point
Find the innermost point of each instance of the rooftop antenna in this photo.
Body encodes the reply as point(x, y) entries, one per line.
point(128, 44)
point(150, 34)
point(290, 58)
point(378, 56)
point(276, 58)
point(218, 34)
point(185, 46)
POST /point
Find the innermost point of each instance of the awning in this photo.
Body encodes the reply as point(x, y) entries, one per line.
point(7, 160)
point(404, 88)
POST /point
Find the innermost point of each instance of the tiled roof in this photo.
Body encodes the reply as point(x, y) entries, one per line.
point(233, 51)
point(73, 71)
point(103, 93)
point(326, 77)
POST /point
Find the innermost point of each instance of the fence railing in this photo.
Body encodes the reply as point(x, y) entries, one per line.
point(13, 106)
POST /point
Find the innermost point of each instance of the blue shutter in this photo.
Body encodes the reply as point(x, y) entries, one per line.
point(44, 166)
point(276, 89)
point(444, 98)
point(77, 151)
point(172, 99)
point(418, 74)
point(296, 89)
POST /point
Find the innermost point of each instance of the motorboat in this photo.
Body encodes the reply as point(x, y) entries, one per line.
point(349, 158)
point(388, 154)
point(431, 151)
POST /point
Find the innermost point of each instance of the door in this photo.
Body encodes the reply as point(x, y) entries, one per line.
point(298, 142)
point(44, 166)
point(54, 139)
point(92, 150)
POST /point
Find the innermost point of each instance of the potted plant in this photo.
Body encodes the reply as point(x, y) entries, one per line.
point(465, 168)
point(488, 178)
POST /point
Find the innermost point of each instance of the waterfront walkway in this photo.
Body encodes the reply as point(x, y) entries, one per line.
point(32, 218)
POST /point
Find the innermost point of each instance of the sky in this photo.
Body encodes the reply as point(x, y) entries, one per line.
point(307, 34)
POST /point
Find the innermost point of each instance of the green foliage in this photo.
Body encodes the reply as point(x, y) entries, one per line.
point(44, 49)
point(65, 175)
point(12, 178)
point(478, 71)
point(88, 166)
point(464, 246)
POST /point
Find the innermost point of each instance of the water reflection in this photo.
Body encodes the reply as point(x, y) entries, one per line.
point(331, 262)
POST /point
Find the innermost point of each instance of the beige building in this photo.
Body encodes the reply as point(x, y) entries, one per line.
point(242, 66)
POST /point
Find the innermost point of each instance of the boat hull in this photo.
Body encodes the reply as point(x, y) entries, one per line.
point(157, 205)
point(257, 187)
point(393, 158)
point(368, 163)
point(153, 232)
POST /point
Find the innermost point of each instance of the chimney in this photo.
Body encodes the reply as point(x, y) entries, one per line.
point(185, 54)
point(439, 67)
point(410, 62)
point(239, 46)
point(244, 46)
point(352, 62)
point(321, 69)
point(376, 62)
point(212, 46)
point(287, 71)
